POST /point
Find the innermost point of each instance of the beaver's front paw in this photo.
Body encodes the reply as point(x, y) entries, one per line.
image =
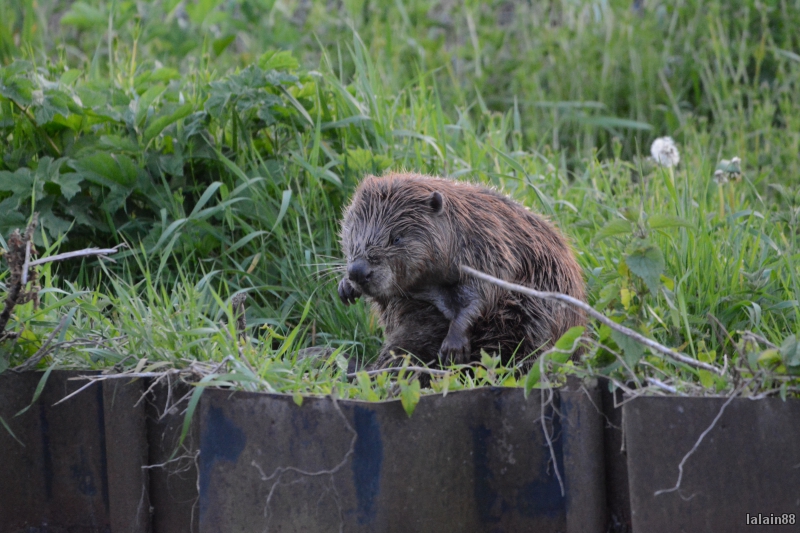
point(348, 293)
point(455, 349)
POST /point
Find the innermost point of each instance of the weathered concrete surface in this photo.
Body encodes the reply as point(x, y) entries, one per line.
point(748, 463)
point(471, 461)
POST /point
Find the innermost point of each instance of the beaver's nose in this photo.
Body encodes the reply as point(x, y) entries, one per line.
point(359, 272)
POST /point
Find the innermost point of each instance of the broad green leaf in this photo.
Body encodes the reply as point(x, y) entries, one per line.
point(667, 221)
point(617, 226)
point(55, 225)
point(632, 350)
point(770, 357)
point(69, 184)
point(19, 183)
point(52, 102)
point(69, 77)
point(158, 124)
point(790, 351)
point(145, 101)
point(409, 395)
point(365, 386)
point(10, 217)
point(608, 293)
point(567, 342)
point(706, 378)
point(219, 45)
point(119, 143)
point(534, 375)
point(111, 170)
point(278, 60)
point(625, 296)
point(15, 83)
point(648, 263)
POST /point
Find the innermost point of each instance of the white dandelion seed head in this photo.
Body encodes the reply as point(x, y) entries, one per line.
point(720, 177)
point(664, 152)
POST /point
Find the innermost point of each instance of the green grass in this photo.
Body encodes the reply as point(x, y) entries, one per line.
point(558, 108)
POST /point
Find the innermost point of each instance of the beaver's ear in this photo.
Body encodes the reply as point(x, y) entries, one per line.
point(436, 202)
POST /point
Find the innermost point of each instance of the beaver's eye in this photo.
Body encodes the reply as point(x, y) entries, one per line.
point(397, 240)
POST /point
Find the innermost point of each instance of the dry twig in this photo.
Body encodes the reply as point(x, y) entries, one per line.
point(564, 298)
point(20, 264)
point(18, 258)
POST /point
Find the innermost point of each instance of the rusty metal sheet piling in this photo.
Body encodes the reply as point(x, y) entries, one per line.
point(748, 463)
point(471, 461)
point(58, 480)
point(585, 476)
point(172, 471)
point(87, 465)
point(126, 454)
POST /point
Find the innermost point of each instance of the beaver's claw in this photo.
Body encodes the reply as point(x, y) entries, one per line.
point(348, 293)
point(455, 349)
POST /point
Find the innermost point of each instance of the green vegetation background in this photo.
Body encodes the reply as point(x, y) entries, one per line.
point(220, 140)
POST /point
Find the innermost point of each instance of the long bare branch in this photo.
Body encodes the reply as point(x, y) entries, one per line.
point(638, 337)
point(77, 253)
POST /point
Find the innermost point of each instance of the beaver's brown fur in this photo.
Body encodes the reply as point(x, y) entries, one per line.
point(405, 236)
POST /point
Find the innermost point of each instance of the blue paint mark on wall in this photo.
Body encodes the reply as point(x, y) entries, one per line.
point(490, 503)
point(367, 461)
point(543, 496)
point(540, 497)
point(221, 440)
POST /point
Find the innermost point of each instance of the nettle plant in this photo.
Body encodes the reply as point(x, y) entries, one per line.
point(663, 287)
point(101, 158)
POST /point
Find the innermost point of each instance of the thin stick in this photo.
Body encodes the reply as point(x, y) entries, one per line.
point(661, 385)
point(27, 264)
point(595, 314)
point(67, 397)
point(77, 253)
point(104, 377)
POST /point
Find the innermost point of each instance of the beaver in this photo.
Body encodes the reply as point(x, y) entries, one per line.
point(405, 235)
